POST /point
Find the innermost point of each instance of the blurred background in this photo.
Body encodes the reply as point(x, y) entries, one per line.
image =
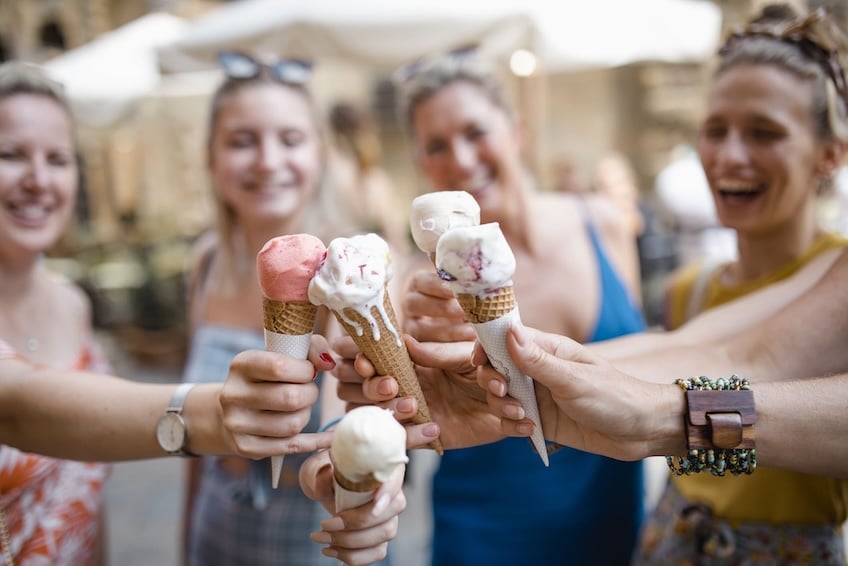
point(595, 82)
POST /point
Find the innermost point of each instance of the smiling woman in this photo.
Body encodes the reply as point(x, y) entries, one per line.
point(774, 133)
point(266, 159)
point(50, 508)
point(466, 137)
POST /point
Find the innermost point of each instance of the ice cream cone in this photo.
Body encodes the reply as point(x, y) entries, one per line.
point(288, 329)
point(350, 493)
point(484, 309)
point(388, 354)
point(492, 316)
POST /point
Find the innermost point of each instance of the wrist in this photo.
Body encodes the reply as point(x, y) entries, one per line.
point(204, 421)
point(669, 431)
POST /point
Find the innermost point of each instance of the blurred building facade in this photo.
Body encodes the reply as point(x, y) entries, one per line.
point(145, 176)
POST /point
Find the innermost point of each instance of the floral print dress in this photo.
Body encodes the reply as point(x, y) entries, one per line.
point(51, 506)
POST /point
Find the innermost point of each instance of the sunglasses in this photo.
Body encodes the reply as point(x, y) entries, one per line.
point(241, 66)
point(456, 56)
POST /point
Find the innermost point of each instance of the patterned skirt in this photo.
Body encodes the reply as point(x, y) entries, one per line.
point(682, 533)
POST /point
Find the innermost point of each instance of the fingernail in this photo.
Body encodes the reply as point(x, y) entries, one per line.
point(321, 537)
point(497, 388)
point(380, 505)
point(333, 524)
point(315, 375)
point(331, 552)
point(325, 356)
point(385, 387)
point(525, 428)
point(406, 405)
point(431, 430)
point(515, 412)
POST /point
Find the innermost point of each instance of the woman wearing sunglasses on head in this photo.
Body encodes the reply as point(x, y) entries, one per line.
point(497, 504)
point(266, 158)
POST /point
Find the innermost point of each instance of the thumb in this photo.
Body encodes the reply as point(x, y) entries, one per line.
point(544, 357)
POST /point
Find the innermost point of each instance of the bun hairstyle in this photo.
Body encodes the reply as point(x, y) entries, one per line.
point(811, 47)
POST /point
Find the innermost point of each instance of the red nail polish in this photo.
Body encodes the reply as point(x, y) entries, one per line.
point(328, 358)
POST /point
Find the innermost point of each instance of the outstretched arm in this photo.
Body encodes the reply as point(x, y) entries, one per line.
point(589, 404)
point(259, 411)
point(725, 321)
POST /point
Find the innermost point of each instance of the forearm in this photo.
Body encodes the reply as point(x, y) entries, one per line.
point(93, 417)
point(724, 322)
point(802, 425)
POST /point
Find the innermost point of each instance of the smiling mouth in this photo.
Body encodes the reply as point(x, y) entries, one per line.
point(30, 212)
point(739, 194)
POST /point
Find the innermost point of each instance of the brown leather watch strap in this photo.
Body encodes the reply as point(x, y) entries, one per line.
point(720, 419)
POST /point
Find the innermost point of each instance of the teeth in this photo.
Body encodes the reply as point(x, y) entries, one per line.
point(477, 183)
point(737, 187)
point(32, 212)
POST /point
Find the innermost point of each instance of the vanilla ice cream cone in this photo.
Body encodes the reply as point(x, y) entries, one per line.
point(478, 264)
point(388, 353)
point(368, 446)
point(491, 317)
point(350, 493)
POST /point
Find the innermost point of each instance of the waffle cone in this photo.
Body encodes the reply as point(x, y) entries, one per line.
point(484, 309)
point(369, 483)
point(388, 357)
point(293, 318)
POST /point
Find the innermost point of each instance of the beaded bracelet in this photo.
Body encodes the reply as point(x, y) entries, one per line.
point(719, 428)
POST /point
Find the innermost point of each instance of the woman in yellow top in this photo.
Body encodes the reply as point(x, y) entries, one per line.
point(775, 130)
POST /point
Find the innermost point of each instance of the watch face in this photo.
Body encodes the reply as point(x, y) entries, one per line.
point(170, 432)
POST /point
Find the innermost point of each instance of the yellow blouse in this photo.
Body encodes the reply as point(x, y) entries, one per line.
point(768, 495)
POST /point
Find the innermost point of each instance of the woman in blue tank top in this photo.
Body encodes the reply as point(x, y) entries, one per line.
point(497, 504)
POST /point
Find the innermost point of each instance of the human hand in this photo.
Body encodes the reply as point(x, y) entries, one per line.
point(267, 400)
point(448, 381)
point(431, 312)
point(584, 401)
point(359, 535)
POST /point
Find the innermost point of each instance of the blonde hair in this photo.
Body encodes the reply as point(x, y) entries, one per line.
point(437, 73)
point(233, 259)
point(17, 77)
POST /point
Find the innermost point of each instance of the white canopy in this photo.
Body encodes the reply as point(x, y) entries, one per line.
point(106, 77)
point(566, 34)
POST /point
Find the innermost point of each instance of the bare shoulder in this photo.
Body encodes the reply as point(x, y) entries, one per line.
point(73, 300)
point(557, 212)
point(200, 250)
point(604, 213)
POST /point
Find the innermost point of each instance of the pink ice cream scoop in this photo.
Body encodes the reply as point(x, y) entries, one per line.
point(286, 265)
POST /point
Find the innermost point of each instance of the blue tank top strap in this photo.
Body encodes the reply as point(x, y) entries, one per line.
point(618, 314)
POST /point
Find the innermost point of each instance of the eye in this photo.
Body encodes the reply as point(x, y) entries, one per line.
point(241, 140)
point(10, 154)
point(292, 138)
point(713, 131)
point(475, 132)
point(765, 134)
point(434, 147)
point(59, 159)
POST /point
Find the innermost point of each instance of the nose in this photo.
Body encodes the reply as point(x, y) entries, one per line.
point(37, 174)
point(732, 149)
point(270, 156)
point(464, 155)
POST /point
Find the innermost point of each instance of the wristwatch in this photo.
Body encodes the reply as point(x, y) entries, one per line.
point(171, 428)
